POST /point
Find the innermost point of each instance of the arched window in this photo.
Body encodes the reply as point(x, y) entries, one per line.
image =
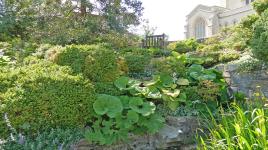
point(200, 28)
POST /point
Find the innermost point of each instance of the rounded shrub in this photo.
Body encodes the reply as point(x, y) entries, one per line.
point(74, 56)
point(101, 66)
point(227, 57)
point(43, 95)
point(184, 46)
point(137, 60)
point(259, 43)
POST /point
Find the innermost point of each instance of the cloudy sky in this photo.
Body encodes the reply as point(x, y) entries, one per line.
point(169, 15)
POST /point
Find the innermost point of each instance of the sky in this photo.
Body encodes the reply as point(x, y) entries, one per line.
point(169, 16)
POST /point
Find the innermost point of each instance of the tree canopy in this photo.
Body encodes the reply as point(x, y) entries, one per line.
point(82, 21)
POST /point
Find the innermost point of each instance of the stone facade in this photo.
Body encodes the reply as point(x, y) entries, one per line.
point(206, 21)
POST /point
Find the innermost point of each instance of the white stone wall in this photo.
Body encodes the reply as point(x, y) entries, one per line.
point(233, 4)
point(217, 17)
point(232, 17)
point(209, 14)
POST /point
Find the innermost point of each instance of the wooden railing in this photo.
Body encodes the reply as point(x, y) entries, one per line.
point(154, 41)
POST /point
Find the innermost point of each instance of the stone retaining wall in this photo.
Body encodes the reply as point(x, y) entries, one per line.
point(177, 134)
point(245, 82)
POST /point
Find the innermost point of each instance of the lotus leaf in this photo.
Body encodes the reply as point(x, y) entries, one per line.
point(106, 104)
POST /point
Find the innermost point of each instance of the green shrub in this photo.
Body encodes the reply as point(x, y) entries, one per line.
point(259, 43)
point(237, 37)
point(4, 61)
point(73, 56)
point(207, 59)
point(17, 49)
point(101, 66)
point(159, 52)
point(52, 53)
point(107, 88)
point(227, 57)
point(137, 60)
point(251, 65)
point(41, 50)
point(260, 5)
point(170, 65)
point(119, 40)
point(211, 44)
point(42, 95)
point(249, 21)
point(93, 61)
point(184, 46)
point(211, 48)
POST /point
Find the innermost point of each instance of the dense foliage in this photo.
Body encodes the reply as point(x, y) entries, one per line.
point(40, 95)
point(183, 46)
point(238, 128)
point(260, 6)
point(111, 90)
point(136, 60)
point(93, 61)
point(101, 65)
point(69, 21)
point(259, 41)
point(117, 117)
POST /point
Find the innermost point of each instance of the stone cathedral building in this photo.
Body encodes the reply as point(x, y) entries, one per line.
point(205, 21)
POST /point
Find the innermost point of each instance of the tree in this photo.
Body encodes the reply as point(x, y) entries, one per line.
point(68, 21)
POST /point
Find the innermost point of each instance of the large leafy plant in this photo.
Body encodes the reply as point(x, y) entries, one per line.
point(171, 90)
point(116, 117)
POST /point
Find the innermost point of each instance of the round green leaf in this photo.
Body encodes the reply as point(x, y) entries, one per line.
point(137, 105)
point(121, 83)
point(106, 104)
point(132, 116)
